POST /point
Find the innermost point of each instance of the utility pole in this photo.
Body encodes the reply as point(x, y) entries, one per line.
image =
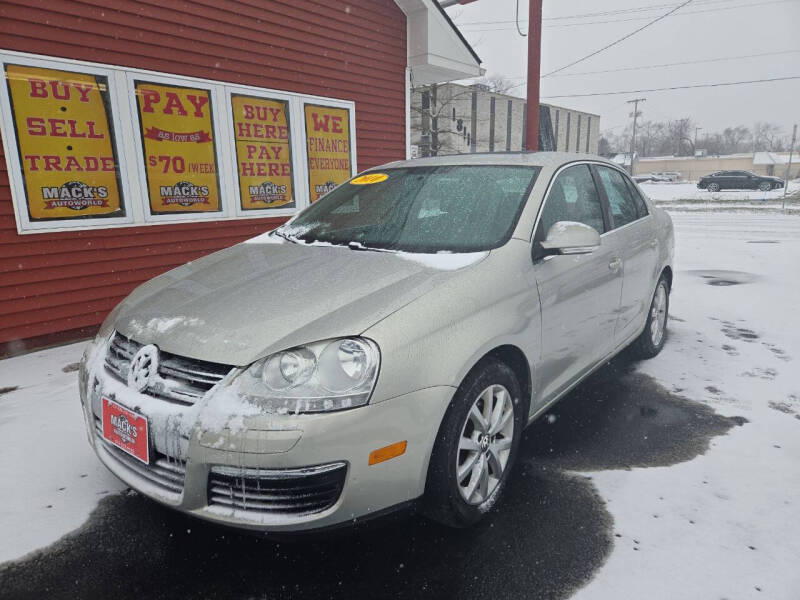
point(534, 71)
point(635, 103)
point(789, 166)
point(694, 146)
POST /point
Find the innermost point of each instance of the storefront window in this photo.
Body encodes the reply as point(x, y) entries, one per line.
point(328, 147)
point(65, 144)
point(180, 159)
point(263, 152)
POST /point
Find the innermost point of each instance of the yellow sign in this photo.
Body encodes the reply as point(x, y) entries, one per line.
point(263, 152)
point(369, 179)
point(65, 143)
point(180, 157)
point(328, 143)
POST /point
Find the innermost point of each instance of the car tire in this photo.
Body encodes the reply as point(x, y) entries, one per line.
point(765, 186)
point(651, 340)
point(460, 501)
point(713, 187)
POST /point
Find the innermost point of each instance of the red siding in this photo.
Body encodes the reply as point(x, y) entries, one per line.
point(56, 286)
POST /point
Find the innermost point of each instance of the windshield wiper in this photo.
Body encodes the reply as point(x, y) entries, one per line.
point(362, 248)
point(286, 236)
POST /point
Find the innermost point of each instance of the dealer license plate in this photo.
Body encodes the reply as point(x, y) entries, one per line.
point(126, 429)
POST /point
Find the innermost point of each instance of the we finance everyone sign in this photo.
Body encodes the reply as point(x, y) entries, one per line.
point(65, 143)
point(328, 146)
point(180, 158)
point(263, 152)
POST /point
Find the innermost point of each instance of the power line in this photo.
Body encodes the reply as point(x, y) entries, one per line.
point(617, 41)
point(675, 64)
point(684, 14)
point(599, 14)
point(675, 87)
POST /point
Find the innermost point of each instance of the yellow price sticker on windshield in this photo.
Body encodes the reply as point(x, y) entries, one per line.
point(370, 178)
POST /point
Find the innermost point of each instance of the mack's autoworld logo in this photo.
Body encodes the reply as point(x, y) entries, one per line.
point(324, 188)
point(184, 193)
point(75, 195)
point(268, 192)
point(123, 428)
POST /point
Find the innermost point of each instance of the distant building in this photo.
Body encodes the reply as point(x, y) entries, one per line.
point(451, 118)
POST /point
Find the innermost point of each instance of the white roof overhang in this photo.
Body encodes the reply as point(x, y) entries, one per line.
point(437, 51)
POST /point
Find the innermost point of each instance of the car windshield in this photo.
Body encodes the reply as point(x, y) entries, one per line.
point(461, 208)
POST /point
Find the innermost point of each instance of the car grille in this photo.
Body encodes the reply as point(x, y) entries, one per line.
point(166, 472)
point(181, 379)
point(277, 491)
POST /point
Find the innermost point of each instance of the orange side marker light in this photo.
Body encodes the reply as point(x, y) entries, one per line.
point(387, 452)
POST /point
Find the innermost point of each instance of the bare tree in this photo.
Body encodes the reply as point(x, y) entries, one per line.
point(767, 137)
point(496, 83)
point(736, 139)
point(438, 121)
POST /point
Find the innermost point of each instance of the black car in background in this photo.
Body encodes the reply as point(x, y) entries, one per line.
point(738, 180)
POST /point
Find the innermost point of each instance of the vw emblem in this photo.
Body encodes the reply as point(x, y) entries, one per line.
point(144, 368)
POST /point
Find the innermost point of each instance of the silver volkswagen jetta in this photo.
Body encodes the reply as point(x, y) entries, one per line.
point(387, 346)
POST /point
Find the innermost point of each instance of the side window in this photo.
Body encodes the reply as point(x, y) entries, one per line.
point(573, 197)
point(620, 199)
point(641, 206)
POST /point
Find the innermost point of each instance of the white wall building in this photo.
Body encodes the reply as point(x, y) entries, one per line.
point(451, 118)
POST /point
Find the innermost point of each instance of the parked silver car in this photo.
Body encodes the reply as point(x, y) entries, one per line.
point(385, 347)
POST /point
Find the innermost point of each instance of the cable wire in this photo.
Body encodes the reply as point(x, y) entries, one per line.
point(615, 42)
point(684, 14)
point(675, 64)
point(517, 22)
point(599, 14)
point(675, 87)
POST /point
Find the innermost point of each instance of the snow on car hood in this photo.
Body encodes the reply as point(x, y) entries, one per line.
point(253, 299)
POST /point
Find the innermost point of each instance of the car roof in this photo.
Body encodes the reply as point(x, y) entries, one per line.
point(551, 160)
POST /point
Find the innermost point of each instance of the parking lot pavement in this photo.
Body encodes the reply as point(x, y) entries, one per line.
point(671, 478)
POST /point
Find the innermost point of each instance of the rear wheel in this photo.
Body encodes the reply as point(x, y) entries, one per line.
point(476, 447)
point(651, 340)
point(713, 187)
point(765, 186)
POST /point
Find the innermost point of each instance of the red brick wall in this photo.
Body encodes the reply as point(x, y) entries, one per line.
point(59, 286)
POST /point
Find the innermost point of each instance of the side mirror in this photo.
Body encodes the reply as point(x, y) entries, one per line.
point(570, 237)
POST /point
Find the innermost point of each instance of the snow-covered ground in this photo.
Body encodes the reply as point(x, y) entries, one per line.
point(51, 479)
point(723, 525)
point(726, 524)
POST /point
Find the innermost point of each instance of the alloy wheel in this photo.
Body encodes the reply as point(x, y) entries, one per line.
point(658, 315)
point(485, 444)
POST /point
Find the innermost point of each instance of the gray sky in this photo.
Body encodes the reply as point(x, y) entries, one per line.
point(718, 29)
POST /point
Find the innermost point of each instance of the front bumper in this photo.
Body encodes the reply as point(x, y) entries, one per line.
point(212, 463)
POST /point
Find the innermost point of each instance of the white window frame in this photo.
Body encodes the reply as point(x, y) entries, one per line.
point(296, 144)
point(130, 151)
point(138, 143)
point(11, 150)
point(351, 121)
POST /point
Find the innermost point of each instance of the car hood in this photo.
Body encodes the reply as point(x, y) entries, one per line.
point(250, 300)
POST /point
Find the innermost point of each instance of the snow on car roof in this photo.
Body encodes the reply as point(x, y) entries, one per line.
point(536, 159)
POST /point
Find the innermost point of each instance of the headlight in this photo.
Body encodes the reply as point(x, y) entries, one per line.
point(321, 377)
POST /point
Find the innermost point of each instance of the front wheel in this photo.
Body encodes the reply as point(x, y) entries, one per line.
point(765, 186)
point(651, 340)
point(478, 441)
point(713, 187)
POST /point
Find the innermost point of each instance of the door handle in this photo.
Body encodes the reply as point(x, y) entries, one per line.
point(615, 264)
point(653, 243)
